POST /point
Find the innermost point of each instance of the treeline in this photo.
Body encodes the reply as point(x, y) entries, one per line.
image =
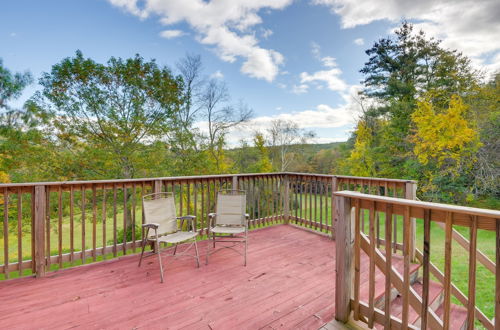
point(428, 115)
point(127, 118)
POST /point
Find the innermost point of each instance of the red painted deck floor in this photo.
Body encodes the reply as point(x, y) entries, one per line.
point(288, 283)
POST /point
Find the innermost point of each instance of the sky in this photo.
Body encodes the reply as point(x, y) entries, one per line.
point(297, 60)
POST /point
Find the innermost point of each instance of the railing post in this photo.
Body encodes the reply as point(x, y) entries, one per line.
point(286, 209)
point(343, 258)
point(334, 189)
point(234, 185)
point(40, 210)
point(157, 186)
point(411, 193)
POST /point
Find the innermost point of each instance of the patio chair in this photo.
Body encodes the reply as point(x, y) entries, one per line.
point(160, 216)
point(229, 223)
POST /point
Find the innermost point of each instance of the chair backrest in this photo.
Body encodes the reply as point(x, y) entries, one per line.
point(160, 208)
point(230, 208)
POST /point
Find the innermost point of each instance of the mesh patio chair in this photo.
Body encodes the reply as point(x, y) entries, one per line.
point(159, 214)
point(229, 223)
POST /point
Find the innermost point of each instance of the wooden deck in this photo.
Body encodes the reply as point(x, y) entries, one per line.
point(288, 283)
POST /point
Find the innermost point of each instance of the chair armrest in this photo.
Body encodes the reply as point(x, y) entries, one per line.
point(190, 218)
point(150, 225)
point(211, 215)
point(187, 217)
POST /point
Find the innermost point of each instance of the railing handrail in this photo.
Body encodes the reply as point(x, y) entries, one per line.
point(193, 177)
point(349, 177)
point(428, 205)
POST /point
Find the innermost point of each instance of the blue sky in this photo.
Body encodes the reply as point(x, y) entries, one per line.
point(295, 60)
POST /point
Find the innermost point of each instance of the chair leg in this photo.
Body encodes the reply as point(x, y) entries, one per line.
point(246, 248)
point(197, 254)
point(142, 252)
point(175, 249)
point(208, 249)
point(159, 259)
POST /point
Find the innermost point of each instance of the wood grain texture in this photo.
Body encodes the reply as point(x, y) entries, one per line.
point(269, 292)
point(343, 258)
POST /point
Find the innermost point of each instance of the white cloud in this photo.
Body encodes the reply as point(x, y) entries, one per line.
point(330, 77)
point(227, 25)
point(359, 41)
point(470, 26)
point(329, 61)
point(13, 34)
point(266, 33)
point(169, 34)
point(338, 119)
point(217, 75)
point(316, 50)
point(300, 89)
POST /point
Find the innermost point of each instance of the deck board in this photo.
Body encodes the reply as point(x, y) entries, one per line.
point(288, 283)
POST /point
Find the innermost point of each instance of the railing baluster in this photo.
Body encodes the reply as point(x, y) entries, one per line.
point(471, 306)
point(395, 243)
point(6, 232)
point(72, 225)
point(125, 219)
point(406, 270)
point(20, 231)
point(115, 239)
point(447, 271)
point(83, 224)
point(104, 216)
point(310, 204)
point(47, 229)
point(134, 202)
point(59, 227)
point(426, 260)
point(94, 223)
point(357, 257)
point(497, 277)
point(371, 288)
point(388, 267)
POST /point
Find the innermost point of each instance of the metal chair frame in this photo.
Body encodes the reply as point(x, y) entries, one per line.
point(156, 240)
point(236, 239)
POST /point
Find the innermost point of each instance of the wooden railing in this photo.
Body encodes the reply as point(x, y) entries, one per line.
point(52, 225)
point(354, 245)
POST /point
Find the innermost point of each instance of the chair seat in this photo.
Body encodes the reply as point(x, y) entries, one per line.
point(227, 230)
point(177, 237)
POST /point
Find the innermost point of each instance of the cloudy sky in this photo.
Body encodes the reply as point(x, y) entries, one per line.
point(292, 59)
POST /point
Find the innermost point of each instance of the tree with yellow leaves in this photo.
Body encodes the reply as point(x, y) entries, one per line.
point(445, 141)
point(360, 161)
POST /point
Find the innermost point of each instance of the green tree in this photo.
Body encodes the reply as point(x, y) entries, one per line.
point(401, 69)
point(114, 114)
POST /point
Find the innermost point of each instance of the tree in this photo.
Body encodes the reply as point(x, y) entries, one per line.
point(262, 164)
point(404, 68)
point(220, 116)
point(113, 111)
point(11, 87)
point(285, 139)
point(361, 159)
point(185, 139)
